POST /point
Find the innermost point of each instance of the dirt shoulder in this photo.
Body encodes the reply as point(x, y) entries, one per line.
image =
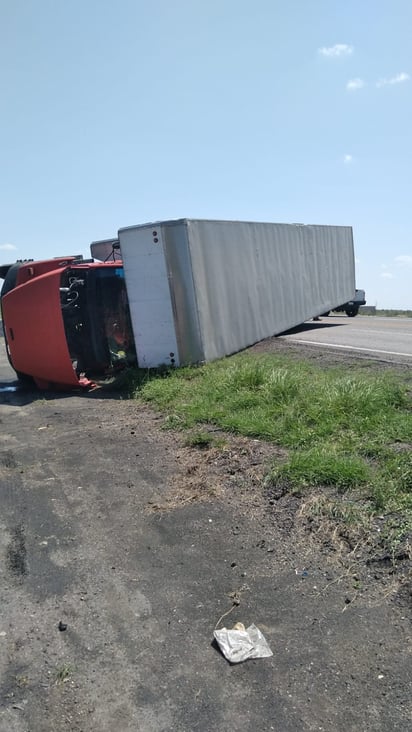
point(137, 544)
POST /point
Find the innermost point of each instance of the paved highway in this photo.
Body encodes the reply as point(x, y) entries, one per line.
point(386, 338)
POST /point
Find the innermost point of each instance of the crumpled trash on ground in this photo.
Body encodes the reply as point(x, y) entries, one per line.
point(239, 643)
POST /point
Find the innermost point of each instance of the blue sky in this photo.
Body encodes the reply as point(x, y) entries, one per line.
point(120, 113)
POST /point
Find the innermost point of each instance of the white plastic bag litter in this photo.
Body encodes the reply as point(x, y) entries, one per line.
point(240, 643)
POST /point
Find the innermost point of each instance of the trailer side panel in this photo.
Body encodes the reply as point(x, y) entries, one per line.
point(255, 280)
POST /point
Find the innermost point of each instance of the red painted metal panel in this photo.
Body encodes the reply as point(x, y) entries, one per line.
point(29, 270)
point(35, 330)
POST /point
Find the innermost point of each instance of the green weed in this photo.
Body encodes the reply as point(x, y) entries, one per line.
point(320, 467)
point(63, 673)
point(203, 440)
point(341, 429)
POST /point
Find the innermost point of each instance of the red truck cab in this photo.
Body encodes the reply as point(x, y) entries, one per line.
point(66, 320)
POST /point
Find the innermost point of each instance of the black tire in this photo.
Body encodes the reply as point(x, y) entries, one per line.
point(10, 279)
point(8, 285)
point(351, 312)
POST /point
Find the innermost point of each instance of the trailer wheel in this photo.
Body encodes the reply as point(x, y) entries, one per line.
point(351, 312)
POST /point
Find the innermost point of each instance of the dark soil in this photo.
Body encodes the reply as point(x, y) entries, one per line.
point(112, 527)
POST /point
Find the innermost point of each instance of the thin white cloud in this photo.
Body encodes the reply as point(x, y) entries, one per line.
point(397, 79)
point(405, 259)
point(339, 49)
point(387, 275)
point(348, 159)
point(354, 84)
point(7, 247)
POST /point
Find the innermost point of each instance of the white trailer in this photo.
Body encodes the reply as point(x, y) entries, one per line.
point(200, 290)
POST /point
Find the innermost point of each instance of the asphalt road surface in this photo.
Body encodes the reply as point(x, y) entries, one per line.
point(386, 338)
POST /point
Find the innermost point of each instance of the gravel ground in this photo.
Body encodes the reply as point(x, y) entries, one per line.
point(136, 545)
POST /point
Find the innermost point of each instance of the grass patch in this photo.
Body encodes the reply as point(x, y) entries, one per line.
point(63, 674)
point(130, 381)
point(341, 427)
point(320, 467)
point(203, 440)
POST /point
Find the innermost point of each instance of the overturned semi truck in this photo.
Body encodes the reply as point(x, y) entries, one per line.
point(170, 292)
